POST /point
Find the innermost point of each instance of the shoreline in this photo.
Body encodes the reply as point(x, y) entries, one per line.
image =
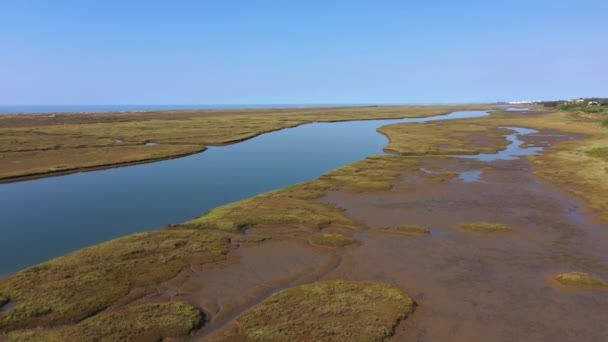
point(345, 201)
point(107, 166)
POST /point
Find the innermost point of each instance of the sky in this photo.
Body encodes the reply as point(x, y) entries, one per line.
point(79, 52)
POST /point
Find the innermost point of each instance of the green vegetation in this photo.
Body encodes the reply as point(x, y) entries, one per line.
point(583, 107)
point(373, 173)
point(443, 137)
point(294, 205)
point(71, 288)
point(35, 145)
point(580, 279)
point(408, 229)
point(328, 311)
point(599, 152)
point(485, 227)
point(332, 240)
point(146, 322)
point(272, 208)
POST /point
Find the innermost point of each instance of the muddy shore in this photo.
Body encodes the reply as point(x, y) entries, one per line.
point(468, 285)
point(475, 287)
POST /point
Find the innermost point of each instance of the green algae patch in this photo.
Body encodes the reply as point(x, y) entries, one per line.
point(146, 322)
point(71, 288)
point(328, 311)
point(485, 227)
point(408, 229)
point(580, 279)
point(332, 240)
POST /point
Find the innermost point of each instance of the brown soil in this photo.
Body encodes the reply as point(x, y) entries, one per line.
point(468, 286)
point(476, 287)
point(473, 287)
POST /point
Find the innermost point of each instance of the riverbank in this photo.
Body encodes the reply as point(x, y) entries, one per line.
point(467, 284)
point(43, 145)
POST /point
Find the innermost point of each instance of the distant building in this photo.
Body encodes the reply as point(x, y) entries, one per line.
point(579, 100)
point(593, 104)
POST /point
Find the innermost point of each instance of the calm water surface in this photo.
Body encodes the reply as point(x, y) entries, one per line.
point(45, 218)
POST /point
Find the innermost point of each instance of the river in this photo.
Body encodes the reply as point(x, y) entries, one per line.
point(45, 218)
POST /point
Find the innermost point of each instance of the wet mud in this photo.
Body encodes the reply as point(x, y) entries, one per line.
point(468, 286)
point(483, 287)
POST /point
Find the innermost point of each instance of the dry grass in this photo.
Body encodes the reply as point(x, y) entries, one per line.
point(146, 322)
point(39, 144)
point(579, 279)
point(331, 240)
point(411, 230)
point(485, 227)
point(70, 288)
point(328, 311)
point(443, 138)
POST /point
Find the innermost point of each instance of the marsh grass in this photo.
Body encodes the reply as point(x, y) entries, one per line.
point(331, 240)
point(271, 209)
point(70, 288)
point(411, 230)
point(485, 227)
point(599, 152)
point(443, 138)
point(328, 311)
point(295, 204)
point(39, 144)
point(579, 279)
point(146, 322)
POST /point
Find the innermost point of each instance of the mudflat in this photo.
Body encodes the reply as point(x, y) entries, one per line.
point(503, 250)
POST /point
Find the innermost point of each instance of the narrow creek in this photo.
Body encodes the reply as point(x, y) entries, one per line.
point(517, 148)
point(45, 218)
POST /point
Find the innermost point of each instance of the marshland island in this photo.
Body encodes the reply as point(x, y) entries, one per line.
point(482, 222)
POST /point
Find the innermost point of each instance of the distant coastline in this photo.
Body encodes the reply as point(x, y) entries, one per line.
point(26, 109)
point(34, 109)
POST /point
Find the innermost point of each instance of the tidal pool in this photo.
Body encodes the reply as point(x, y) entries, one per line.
point(44, 218)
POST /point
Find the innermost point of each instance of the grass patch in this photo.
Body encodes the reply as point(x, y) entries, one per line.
point(485, 227)
point(332, 240)
point(376, 172)
point(273, 208)
point(408, 229)
point(580, 279)
point(294, 206)
point(599, 152)
point(328, 311)
point(146, 322)
point(443, 137)
point(38, 144)
point(70, 288)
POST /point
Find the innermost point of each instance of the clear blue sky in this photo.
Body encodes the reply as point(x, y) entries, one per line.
point(229, 52)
